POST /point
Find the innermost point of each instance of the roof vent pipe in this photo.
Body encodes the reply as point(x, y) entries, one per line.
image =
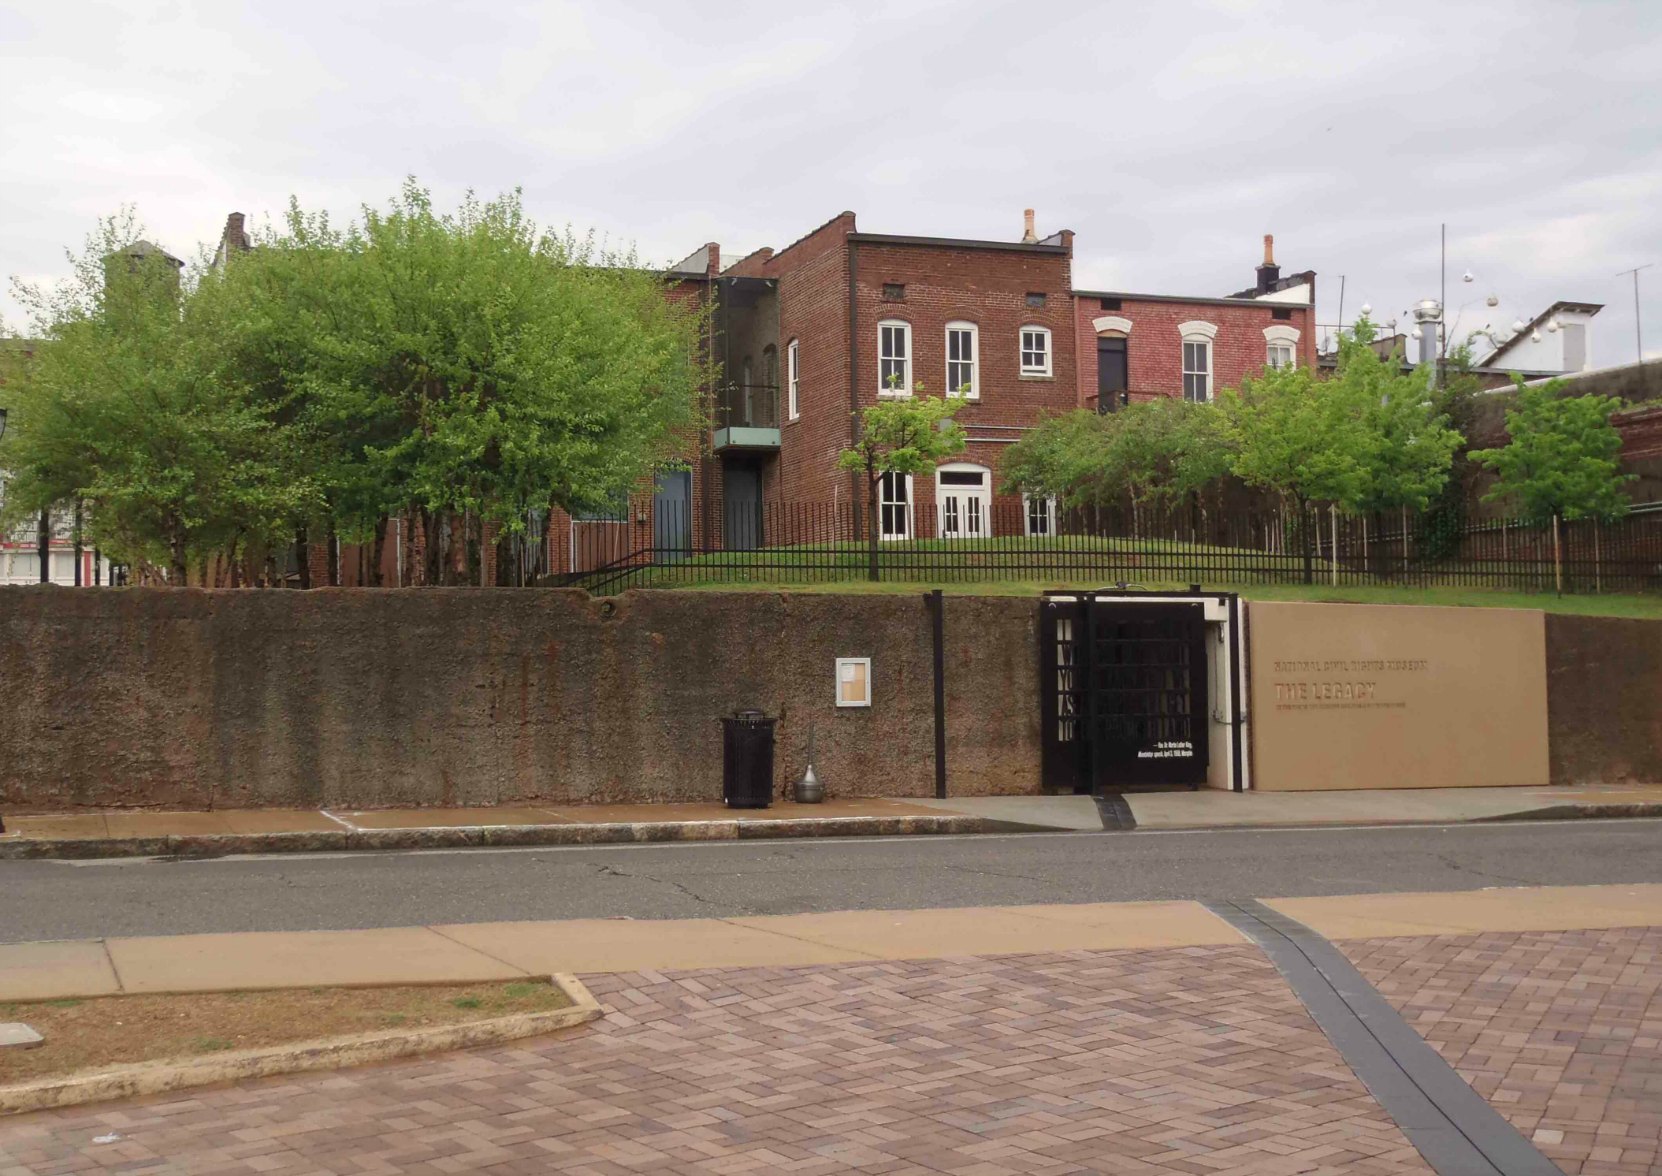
point(1028, 235)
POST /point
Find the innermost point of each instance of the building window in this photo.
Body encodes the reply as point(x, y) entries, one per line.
point(1280, 347)
point(894, 358)
point(1040, 514)
point(792, 369)
point(1108, 303)
point(1282, 314)
point(963, 347)
point(1035, 300)
point(1035, 351)
point(894, 291)
point(1197, 370)
point(1197, 360)
point(894, 505)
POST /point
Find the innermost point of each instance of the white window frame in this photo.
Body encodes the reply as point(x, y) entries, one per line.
point(1280, 336)
point(864, 662)
point(982, 495)
point(1200, 334)
point(974, 361)
point(1022, 350)
point(910, 505)
point(793, 373)
point(1027, 501)
point(902, 389)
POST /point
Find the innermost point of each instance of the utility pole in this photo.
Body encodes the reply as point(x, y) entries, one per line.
point(1638, 336)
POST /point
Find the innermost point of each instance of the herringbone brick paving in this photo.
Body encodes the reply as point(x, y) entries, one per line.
point(1184, 1061)
point(1560, 1030)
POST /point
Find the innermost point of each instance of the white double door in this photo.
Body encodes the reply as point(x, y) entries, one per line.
point(963, 501)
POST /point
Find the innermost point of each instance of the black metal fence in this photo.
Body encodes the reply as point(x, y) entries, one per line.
point(659, 544)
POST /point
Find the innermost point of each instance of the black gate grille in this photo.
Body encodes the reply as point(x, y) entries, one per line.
point(1129, 705)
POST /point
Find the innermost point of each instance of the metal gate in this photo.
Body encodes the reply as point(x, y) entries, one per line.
point(1124, 694)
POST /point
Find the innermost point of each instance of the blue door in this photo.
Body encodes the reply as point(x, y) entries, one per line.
point(672, 516)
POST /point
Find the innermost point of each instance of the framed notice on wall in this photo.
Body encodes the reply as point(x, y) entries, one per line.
point(854, 681)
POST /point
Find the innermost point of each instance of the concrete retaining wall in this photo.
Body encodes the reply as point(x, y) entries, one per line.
point(1604, 700)
point(358, 699)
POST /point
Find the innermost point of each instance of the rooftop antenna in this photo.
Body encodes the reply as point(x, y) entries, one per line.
point(1638, 338)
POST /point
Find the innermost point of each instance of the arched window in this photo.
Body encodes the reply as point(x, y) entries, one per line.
point(1197, 360)
point(894, 358)
point(1280, 346)
point(963, 360)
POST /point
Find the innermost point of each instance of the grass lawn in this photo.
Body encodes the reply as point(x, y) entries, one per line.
point(94, 1034)
point(1609, 605)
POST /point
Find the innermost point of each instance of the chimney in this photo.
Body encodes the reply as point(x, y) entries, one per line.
point(1268, 273)
point(1028, 236)
point(234, 239)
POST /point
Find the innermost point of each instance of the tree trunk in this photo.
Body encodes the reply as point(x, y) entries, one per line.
point(873, 530)
point(79, 582)
point(334, 557)
point(430, 559)
point(1557, 556)
point(507, 565)
point(43, 546)
point(302, 557)
point(179, 571)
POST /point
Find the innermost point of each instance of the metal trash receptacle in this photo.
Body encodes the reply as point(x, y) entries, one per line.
point(747, 760)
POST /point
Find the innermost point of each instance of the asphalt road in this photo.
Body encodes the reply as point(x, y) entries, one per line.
point(71, 900)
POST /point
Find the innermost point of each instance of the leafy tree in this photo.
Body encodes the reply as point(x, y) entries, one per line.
point(461, 366)
point(115, 409)
point(911, 435)
point(1163, 450)
point(1298, 435)
point(1561, 458)
point(1406, 443)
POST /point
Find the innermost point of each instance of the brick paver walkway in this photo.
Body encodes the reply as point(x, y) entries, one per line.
point(1560, 1030)
point(1184, 1060)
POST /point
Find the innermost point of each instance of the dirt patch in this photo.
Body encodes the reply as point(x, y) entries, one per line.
point(117, 1030)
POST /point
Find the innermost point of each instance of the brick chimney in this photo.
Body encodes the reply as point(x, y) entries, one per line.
point(234, 239)
point(1028, 235)
point(1268, 273)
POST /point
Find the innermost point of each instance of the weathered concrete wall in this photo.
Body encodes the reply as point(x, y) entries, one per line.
point(194, 699)
point(1604, 700)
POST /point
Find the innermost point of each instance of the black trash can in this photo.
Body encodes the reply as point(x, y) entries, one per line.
point(747, 760)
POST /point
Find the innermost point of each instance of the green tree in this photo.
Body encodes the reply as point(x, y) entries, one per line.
point(1407, 445)
point(908, 435)
point(1299, 436)
point(467, 365)
point(1150, 452)
point(115, 409)
point(1562, 456)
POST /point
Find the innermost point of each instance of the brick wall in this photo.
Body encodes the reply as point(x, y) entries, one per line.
point(1154, 346)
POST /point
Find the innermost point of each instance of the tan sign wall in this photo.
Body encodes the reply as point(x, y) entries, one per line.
point(1383, 696)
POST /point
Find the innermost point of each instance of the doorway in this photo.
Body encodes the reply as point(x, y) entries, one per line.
point(1113, 375)
point(672, 516)
point(742, 502)
point(963, 501)
point(1125, 697)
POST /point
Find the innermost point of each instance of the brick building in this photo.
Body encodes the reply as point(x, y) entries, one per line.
point(848, 318)
point(801, 339)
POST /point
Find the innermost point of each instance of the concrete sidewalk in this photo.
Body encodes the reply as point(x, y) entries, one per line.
point(142, 833)
point(476, 952)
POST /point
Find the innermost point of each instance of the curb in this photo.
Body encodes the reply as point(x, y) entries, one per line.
point(333, 1053)
point(1560, 812)
point(344, 840)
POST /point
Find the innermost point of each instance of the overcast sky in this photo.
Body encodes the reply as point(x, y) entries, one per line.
point(1169, 136)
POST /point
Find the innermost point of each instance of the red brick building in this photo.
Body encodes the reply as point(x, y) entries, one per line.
point(1139, 346)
